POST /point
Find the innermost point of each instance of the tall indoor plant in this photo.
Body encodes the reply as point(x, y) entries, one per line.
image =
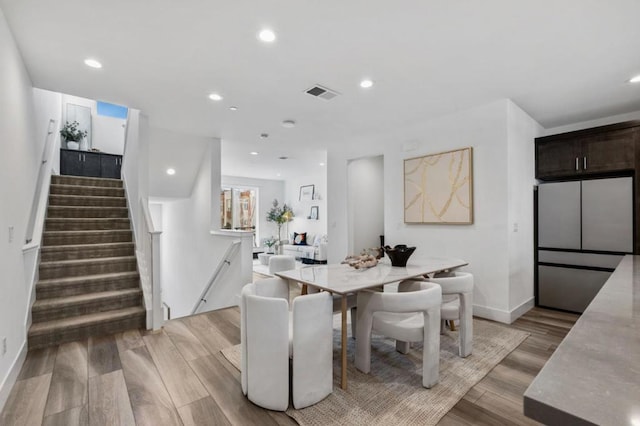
point(279, 215)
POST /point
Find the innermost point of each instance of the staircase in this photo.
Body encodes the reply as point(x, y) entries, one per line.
point(88, 281)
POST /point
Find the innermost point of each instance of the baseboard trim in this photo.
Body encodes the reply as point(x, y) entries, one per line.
point(522, 309)
point(492, 314)
point(12, 375)
point(506, 317)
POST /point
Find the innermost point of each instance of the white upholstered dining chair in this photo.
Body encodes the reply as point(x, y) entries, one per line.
point(457, 305)
point(407, 317)
point(270, 335)
point(352, 306)
point(281, 262)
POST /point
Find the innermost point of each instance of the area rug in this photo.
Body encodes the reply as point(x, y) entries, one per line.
point(393, 394)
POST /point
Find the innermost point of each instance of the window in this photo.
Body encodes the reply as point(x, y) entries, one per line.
point(238, 209)
point(112, 110)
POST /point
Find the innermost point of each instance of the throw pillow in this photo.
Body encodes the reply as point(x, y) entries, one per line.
point(300, 239)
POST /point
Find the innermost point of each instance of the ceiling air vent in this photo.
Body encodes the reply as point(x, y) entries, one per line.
point(322, 92)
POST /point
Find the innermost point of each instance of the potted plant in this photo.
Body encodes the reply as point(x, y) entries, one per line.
point(279, 215)
point(270, 242)
point(72, 135)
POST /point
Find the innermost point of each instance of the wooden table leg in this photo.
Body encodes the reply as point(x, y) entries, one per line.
point(304, 290)
point(343, 381)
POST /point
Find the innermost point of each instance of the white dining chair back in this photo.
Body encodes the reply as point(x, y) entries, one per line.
point(457, 294)
point(270, 335)
point(281, 262)
point(406, 317)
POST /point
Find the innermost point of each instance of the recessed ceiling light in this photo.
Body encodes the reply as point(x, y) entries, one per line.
point(322, 164)
point(171, 172)
point(278, 174)
point(233, 108)
point(253, 153)
point(267, 36)
point(215, 97)
point(635, 79)
point(366, 83)
point(288, 124)
point(92, 63)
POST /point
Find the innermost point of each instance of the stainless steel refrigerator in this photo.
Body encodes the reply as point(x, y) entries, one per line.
point(584, 228)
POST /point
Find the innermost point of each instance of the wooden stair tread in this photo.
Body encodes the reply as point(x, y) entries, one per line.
point(86, 178)
point(74, 280)
point(93, 197)
point(67, 185)
point(84, 320)
point(86, 232)
point(63, 247)
point(81, 298)
point(87, 219)
point(87, 207)
point(86, 261)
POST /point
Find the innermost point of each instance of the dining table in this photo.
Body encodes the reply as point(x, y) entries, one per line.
point(343, 280)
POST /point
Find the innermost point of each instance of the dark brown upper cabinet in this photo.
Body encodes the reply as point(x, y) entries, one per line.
point(599, 150)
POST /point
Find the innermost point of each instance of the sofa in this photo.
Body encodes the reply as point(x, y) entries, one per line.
point(314, 249)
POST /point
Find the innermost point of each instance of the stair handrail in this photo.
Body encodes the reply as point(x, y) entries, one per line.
point(225, 263)
point(35, 225)
point(150, 274)
point(44, 176)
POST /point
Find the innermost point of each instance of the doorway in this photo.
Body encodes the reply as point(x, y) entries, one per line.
point(365, 202)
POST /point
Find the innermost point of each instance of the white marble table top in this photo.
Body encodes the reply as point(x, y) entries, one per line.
point(343, 279)
point(593, 377)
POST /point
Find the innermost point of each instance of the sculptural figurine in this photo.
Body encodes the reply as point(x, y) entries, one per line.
point(362, 261)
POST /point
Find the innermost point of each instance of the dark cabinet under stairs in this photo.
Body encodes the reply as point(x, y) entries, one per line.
point(90, 164)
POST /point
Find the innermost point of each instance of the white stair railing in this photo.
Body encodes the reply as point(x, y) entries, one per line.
point(230, 255)
point(149, 265)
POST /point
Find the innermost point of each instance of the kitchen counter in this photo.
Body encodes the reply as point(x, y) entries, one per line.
point(593, 377)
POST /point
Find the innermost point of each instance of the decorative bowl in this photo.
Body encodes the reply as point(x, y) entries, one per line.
point(399, 254)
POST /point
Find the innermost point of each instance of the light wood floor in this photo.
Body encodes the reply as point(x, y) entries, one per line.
point(178, 376)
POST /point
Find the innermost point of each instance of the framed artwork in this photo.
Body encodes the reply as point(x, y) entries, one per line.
point(314, 213)
point(306, 193)
point(438, 188)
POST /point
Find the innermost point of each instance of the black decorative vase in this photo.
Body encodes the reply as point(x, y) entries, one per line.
point(399, 254)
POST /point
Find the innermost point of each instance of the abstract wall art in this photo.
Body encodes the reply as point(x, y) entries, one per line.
point(438, 188)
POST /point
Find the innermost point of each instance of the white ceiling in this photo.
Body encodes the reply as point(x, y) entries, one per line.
point(561, 61)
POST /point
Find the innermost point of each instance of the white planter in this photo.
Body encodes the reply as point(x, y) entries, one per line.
point(72, 145)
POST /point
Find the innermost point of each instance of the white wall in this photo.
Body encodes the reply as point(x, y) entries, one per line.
point(189, 252)
point(178, 151)
point(268, 190)
point(365, 186)
point(20, 154)
point(48, 105)
point(302, 209)
point(485, 244)
point(107, 133)
point(521, 132)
